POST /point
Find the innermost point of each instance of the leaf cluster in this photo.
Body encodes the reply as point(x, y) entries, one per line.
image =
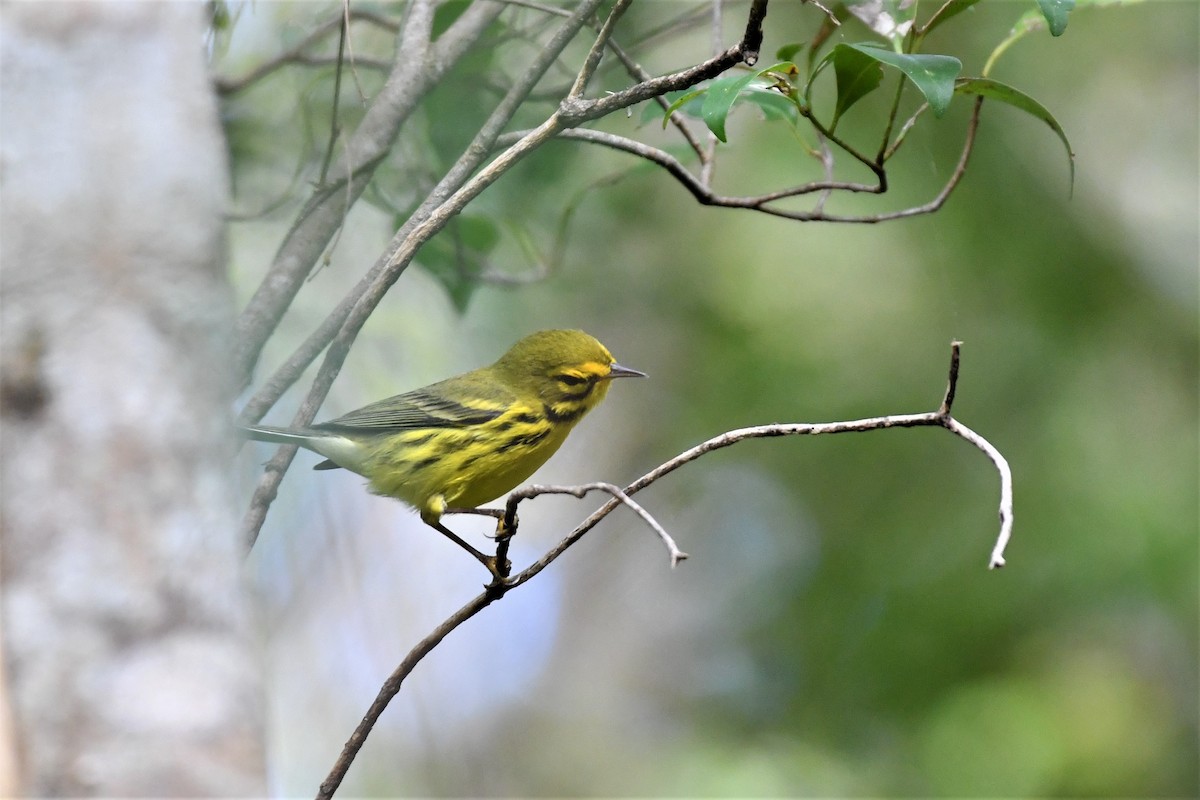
point(784, 91)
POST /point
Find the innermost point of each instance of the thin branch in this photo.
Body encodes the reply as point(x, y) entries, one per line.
point(507, 525)
point(576, 111)
point(677, 170)
point(762, 203)
point(638, 73)
point(891, 121)
point(392, 685)
point(903, 132)
point(828, 14)
point(295, 54)
point(952, 383)
point(872, 164)
point(362, 96)
point(542, 7)
point(1006, 486)
point(329, 61)
point(935, 18)
point(597, 50)
point(580, 491)
point(334, 128)
point(934, 418)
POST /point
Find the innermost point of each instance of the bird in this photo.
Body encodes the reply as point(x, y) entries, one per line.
point(464, 441)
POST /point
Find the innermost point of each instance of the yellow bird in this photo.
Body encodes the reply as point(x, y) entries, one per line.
point(461, 442)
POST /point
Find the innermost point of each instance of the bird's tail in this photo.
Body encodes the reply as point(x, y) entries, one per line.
point(339, 451)
point(268, 433)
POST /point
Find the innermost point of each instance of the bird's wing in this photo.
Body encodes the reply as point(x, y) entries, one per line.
point(429, 407)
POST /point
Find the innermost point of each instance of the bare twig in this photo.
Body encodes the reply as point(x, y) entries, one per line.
point(542, 7)
point(833, 20)
point(362, 96)
point(576, 111)
point(534, 490)
point(762, 203)
point(1006, 488)
point(392, 685)
point(507, 524)
point(597, 50)
point(636, 72)
point(930, 419)
point(296, 53)
point(334, 128)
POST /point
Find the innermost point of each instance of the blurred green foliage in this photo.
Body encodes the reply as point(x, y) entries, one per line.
point(836, 632)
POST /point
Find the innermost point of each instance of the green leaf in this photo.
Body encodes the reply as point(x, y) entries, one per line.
point(1055, 12)
point(682, 101)
point(1026, 24)
point(788, 51)
point(933, 75)
point(953, 8)
point(719, 101)
point(858, 74)
point(724, 92)
point(986, 87)
point(770, 102)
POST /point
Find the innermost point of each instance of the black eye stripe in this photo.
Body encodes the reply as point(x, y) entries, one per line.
point(573, 380)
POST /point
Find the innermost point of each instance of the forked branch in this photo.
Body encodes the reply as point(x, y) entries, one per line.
point(507, 528)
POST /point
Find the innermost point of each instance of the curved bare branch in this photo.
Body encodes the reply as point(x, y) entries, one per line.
point(507, 527)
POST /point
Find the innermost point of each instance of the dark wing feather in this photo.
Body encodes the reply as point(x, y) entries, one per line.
point(420, 408)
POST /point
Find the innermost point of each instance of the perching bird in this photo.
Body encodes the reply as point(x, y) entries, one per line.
point(469, 439)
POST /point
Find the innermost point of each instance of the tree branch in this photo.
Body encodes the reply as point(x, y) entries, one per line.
point(296, 54)
point(507, 528)
point(763, 203)
point(597, 50)
point(509, 518)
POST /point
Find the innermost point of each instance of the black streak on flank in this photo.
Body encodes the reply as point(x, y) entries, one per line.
point(524, 440)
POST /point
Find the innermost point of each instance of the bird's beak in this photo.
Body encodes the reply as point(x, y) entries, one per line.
point(617, 371)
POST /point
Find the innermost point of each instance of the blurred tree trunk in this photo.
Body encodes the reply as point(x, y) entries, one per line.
point(126, 629)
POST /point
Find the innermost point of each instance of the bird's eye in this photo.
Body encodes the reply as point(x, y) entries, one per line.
point(572, 380)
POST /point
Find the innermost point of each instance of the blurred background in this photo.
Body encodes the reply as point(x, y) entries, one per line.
point(836, 631)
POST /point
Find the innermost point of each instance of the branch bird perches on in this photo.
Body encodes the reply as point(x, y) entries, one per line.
point(507, 523)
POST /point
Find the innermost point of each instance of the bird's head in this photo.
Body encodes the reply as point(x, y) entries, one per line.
point(568, 370)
